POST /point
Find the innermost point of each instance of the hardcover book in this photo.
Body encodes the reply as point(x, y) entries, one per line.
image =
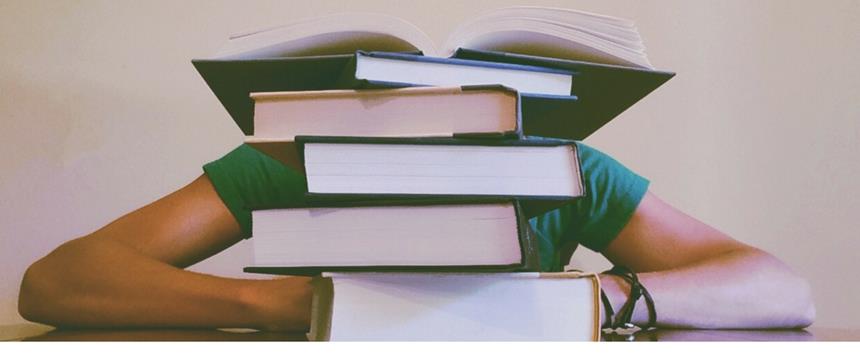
point(543, 172)
point(375, 69)
point(395, 236)
point(466, 111)
point(525, 306)
point(597, 63)
point(484, 111)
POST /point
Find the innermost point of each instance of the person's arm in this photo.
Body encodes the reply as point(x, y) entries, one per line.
point(702, 278)
point(129, 273)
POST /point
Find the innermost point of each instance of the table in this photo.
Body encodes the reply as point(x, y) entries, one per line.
point(36, 332)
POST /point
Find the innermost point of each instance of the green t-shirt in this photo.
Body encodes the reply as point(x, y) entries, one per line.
point(246, 178)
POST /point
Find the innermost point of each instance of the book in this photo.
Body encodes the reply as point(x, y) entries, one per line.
point(585, 49)
point(552, 32)
point(394, 236)
point(525, 306)
point(366, 169)
point(483, 111)
point(375, 69)
point(403, 112)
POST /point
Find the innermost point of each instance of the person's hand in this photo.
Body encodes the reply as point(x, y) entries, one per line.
point(282, 304)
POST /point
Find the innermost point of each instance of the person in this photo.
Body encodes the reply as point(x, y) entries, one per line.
point(130, 272)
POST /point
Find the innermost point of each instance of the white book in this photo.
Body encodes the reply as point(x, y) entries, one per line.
point(530, 168)
point(433, 71)
point(489, 235)
point(455, 307)
point(434, 169)
point(401, 112)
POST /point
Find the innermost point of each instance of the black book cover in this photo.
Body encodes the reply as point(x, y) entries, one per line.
point(530, 257)
point(232, 81)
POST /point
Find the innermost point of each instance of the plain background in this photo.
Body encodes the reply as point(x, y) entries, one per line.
point(101, 112)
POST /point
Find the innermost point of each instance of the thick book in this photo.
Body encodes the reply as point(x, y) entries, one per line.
point(394, 236)
point(375, 69)
point(484, 111)
point(489, 110)
point(546, 173)
point(525, 306)
point(319, 54)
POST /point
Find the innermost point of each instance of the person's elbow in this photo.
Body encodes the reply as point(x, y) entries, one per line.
point(791, 297)
point(44, 287)
point(804, 311)
point(32, 296)
point(780, 297)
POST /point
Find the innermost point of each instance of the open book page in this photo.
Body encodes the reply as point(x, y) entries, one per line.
point(547, 32)
point(329, 35)
point(615, 30)
point(559, 33)
point(559, 15)
point(573, 46)
point(611, 28)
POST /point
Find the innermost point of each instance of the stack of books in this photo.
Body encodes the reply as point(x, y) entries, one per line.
point(423, 166)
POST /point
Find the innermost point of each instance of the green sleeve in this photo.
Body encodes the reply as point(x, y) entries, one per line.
point(246, 179)
point(612, 194)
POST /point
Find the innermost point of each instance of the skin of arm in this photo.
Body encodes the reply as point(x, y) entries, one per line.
point(702, 278)
point(130, 274)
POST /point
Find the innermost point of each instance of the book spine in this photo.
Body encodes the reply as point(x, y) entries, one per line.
point(347, 79)
point(555, 118)
point(321, 308)
point(529, 248)
point(520, 131)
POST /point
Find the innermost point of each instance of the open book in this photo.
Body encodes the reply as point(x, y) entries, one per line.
point(576, 71)
point(537, 31)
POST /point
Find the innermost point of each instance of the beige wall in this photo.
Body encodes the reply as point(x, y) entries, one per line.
point(101, 112)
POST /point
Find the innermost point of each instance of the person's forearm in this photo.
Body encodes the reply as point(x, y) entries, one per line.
point(739, 289)
point(89, 284)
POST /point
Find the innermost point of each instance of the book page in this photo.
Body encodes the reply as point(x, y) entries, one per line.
point(378, 68)
point(548, 32)
point(578, 48)
point(462, 307)
point(442, 169)
point(627, 39)
point(433, 235)
point(557, 14)
point(402, 112)
point(342, 33)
